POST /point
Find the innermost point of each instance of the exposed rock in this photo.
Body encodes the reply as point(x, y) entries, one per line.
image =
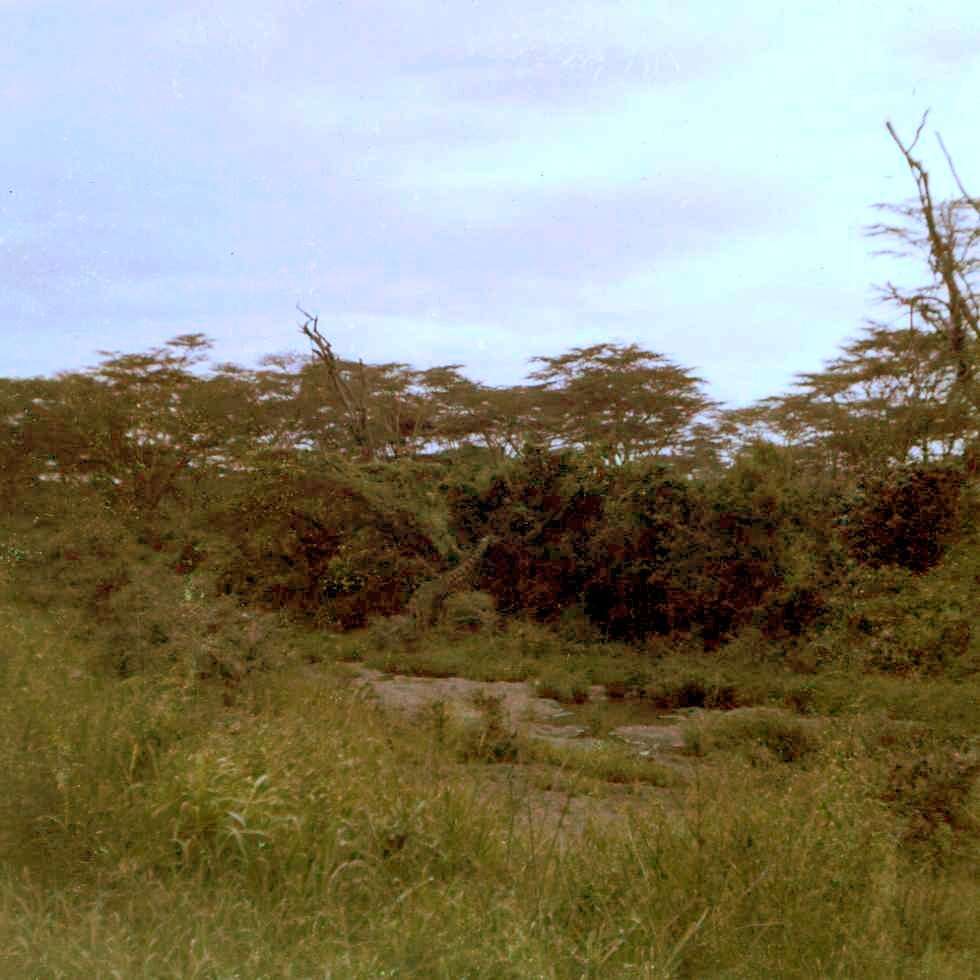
point(462, 697)
point(651, 738)
point(521, 709)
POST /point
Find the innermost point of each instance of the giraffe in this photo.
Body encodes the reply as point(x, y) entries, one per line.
point(426, 603)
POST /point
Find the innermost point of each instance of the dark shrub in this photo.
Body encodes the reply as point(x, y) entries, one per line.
point(542, 508)
point(792, 610)
point(905, 518)
point(320, 547)
point(932, 791)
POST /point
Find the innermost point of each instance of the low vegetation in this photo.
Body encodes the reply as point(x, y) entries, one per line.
point(151, 829)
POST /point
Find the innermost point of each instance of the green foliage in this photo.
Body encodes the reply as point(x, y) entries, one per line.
point(678, 556)
point(541, 508)
point(765, 734)
point(23, 451)
point(142, 608)
point(470, 612)
point(618, 552)
point(625, 401)
point(574, 626)
point(892, 397)
point(319, 544)
point(392, 633)
point(892, 620)
point(694, 689)
point(566, 685)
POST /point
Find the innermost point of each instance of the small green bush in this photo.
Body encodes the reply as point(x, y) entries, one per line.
point(891, 620)
point(470, 612)
point(781, 736)
point(693, 690)
point(564, 686)
point(390, 633)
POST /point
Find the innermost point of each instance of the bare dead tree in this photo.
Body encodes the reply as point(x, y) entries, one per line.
point(355, 403)
point(959, 310)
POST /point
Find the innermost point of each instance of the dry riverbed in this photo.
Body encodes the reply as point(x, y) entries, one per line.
point(524, 712)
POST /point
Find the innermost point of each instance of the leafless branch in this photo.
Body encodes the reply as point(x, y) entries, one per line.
point(356, 408)
point(972, 201)
point(942, 243)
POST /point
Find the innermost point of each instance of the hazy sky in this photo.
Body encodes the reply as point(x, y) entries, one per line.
point(469, 181)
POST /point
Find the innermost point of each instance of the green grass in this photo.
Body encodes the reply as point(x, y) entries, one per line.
point(764, 734)
point(743, 675)
point(149, 829)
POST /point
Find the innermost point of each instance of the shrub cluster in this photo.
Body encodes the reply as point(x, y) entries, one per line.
point(905, 517)
point(645, 552)
point(625, 555)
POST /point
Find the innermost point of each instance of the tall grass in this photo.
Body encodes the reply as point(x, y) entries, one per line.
point(149, 829)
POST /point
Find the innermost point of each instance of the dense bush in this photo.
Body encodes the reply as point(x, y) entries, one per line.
point(470, 612)
point(543, 508)
point(643, 551)
point(628, 554)
point(710, 556)
point(906, 517)
point(311, 542)
point(895, 621)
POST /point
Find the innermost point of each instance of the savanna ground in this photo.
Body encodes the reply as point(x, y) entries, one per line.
point(181, 816)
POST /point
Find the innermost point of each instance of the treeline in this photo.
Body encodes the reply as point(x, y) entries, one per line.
point(255, 483)
point(612, 483)
point(148, 422)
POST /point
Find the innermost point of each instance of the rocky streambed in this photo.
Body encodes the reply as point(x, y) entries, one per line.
point(525, 712)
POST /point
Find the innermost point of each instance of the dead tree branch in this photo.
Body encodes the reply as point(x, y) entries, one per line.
point(943, 252)
point(355, 405)
point(972, 201)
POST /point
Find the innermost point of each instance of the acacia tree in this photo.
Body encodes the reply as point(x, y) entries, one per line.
point(625, 402)
point(388, 410)
point(351, 396)
point(462, 411)
point(144, 422)
point(883, 401)
point(459, 412)
point(896, 393)
point(27, 444)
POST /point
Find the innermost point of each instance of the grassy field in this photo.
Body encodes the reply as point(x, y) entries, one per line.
point(158, 826)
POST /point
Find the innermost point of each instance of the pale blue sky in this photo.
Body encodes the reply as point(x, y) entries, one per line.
point(465, 182)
